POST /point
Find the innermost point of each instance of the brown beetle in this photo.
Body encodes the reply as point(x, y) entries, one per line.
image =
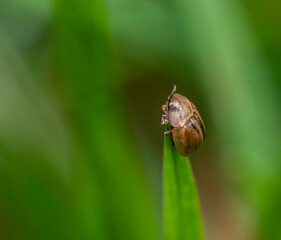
point(188, 129)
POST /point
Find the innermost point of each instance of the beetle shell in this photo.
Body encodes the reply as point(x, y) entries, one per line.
point(188, 138)
point(188, 128)
point(180, 110)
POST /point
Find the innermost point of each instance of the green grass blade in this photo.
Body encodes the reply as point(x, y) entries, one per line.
point(182, 219)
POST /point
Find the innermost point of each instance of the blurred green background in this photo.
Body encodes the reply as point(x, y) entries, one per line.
point(81, 89)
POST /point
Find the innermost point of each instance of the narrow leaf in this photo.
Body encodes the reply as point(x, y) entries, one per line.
point(182, 219)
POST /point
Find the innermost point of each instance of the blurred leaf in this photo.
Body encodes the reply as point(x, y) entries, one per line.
point(182, 219)
point(108, 175)
point(35, 160)
point(240, 87)
point(25, 20)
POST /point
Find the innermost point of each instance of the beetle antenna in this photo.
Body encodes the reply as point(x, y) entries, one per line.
point(175, 88)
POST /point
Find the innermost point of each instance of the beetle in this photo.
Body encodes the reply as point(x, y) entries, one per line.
point(188, 129)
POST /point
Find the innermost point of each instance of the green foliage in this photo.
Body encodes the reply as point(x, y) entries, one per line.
point(81, 85)
point(108, 182)
point(182, 219)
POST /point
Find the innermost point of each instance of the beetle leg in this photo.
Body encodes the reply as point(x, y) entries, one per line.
point(165, 115)
point(168, 132)
point(164, 119)
point(164, 108)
